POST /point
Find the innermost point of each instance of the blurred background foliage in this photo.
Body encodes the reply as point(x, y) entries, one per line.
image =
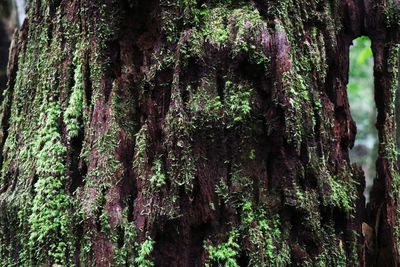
point(363, 110)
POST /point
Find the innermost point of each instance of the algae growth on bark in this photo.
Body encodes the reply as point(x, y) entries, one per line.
point(192, 133)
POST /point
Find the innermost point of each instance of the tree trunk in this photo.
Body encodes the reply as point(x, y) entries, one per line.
point(8, 23)
point(184, 133)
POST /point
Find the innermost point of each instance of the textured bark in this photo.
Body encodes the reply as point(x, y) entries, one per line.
point(185, 133)
point(7, 26)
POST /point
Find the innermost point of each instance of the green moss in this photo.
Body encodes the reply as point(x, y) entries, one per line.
point(44, 106)
point(124, 255)
point(307, 202)
point(152, 180)
point(335, 190)
point(225, 254)
point(238, 101)
point(45, 224)
point(157, 180)
point(142, 260)
point(258, 227)
point(343, 193)
point(354, 248)
point(387, 146)
point(207, 108)
point(141, 158)
point(296, 93)
point(391, 11)
point(236, 31)
point(264, 233)
point(73, 113)
point(178, 143)
point(333, 253)
point(50, 223)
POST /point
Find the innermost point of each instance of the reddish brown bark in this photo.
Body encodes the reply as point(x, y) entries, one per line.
point(165, 131)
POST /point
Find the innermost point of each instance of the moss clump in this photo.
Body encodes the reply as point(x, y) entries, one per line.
point(264, 233)
point(259, 229)
point(387, 148)
point(141, 157)
point(297, 95)
point(144, 252)
point(226, 253)
point(73, 113)
point(207, 108)
point(180, 159)
point(50, 221)
point(391, 11)
point(36, 158)
point(158, 178)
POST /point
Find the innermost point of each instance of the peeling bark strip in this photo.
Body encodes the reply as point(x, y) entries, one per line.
point(185, 133)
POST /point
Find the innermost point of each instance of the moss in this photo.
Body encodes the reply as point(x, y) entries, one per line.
point(343, 193)
point(153, 176)
point(141, 158)
point(221, 101)
point(387, 146)
point(124, 106)
point(296, 80)
point(142, 260)
point(50, 224)
point(73, 113)
point(237, 29)
point(170, 17)
point(178, 141)
point(45, 223)
point(157, 180)
point(108, 172)
point(391, 11)
point(45, 94)
point(333, 253)
point(232, 112)
point(264, 234)
point(354, 248)
point(226, 253)
point(215, 31)
point(258, 229)
point(295, 89)
point(335, 190)
point(307, 202)
point(125, 254)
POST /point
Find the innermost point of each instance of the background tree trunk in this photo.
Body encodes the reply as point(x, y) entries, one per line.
point(8, 22)
point(181, 133)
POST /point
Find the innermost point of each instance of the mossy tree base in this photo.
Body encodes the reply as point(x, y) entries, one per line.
point(192, 133)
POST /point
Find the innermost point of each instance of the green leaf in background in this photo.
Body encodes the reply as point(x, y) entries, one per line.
point(360, 90)
point(365, 54)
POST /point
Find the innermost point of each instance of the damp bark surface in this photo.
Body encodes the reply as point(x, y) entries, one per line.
point(185, 133)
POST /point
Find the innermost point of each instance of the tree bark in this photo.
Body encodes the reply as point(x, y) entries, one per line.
point(185, 133)
point(8, 23)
